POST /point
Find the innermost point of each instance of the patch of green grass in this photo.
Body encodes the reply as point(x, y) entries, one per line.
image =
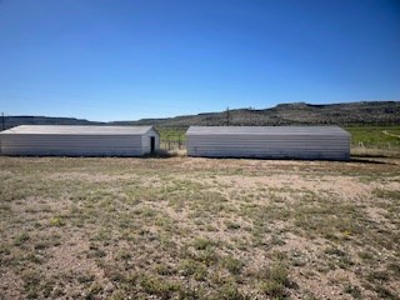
point(272, 288)
point(172, 133)
point(275, 281)
point(57, 221)
point(32, 283)
point(208, 256)
point(232, 264)
point(279, 273)
point(339, 257)
point(5, 208)
point(387, 194)
point(189, 267)
point(373, 136)
point(366, 255)
point(123, 254)
point(229, 291)
point(164, 289)
point(21, 238)
point(164, 269)
point(203, 243)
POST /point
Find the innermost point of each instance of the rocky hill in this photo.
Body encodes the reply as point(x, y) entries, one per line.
point(356, 113)
point(40, 120)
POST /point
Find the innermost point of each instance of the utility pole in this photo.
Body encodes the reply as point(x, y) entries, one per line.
point(3, 121)
point(228, 116)
point(251, 116)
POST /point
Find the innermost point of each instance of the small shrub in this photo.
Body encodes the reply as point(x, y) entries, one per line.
point(117, 296)
point(395, 268)
point(229, 291)
point(21, 238)
point(279, 273)
point(190, 267)
point(380, 276)
point(232, 225)
point(232, 264)
point(32, 282)
point(384, 293)
point(343, 260)
point(94, 290)
point(154, 286)
point(57, 221)
point(202, 244)
point(335, 251)
point(385, 194)
point(277, 241)
point(96, 252)
point(85, 278)
point(207, 256)
point(164, 269)
point(273, 289)
point(279, 255)
point(364, 255)
point(276, 280)
point(310, 296)
point(123, 255)
point(354, 291)
point(34, 258)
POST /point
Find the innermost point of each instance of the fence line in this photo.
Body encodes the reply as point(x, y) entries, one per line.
point(173, 142)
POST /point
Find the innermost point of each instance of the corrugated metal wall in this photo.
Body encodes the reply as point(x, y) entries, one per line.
point(298, 146)
point(146, 147)
point(71, 145)
point(66, 140)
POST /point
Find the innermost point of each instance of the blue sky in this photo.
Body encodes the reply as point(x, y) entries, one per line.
point(126, 60)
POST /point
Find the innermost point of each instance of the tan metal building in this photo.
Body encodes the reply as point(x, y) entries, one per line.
point(65, 140)
point(278, 142)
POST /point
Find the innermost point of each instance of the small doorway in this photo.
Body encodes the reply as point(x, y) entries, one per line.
point(152, 144)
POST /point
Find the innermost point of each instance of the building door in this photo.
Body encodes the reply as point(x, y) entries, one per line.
point(152, 144)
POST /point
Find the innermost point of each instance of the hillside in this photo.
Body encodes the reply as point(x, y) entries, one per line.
point(40, 120)
point(356, 113)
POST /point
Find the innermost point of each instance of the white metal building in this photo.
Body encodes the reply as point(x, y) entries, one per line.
point(294, 142)
point(63, 140)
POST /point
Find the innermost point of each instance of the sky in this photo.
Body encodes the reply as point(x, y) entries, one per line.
point(107, 60)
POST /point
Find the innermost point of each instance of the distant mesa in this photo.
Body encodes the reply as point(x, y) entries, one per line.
point(299, 113)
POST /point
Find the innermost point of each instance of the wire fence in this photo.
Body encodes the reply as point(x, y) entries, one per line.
point(173, 142)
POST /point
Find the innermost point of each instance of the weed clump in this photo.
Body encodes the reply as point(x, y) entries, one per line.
point(21, 238)
point(57, 221)
point(189, 267)
point(232, 264)
point(276, 281)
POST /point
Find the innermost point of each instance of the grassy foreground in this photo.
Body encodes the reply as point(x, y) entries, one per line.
point(185, 228)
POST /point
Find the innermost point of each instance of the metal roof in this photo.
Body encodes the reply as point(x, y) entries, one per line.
point(266, 130)
point(78, 130)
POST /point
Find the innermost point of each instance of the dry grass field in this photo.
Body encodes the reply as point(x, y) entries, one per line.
point(191, 228)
